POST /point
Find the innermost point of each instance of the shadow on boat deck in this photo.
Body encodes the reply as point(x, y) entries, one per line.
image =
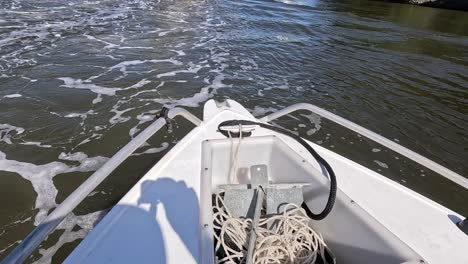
point(143, 233)
point(180, 205)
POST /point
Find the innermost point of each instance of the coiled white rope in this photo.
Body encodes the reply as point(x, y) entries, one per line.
point(284, 238)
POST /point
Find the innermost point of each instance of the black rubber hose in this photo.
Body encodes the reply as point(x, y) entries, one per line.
point(320, 160)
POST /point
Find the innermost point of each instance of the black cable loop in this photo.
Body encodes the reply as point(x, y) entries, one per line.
point(320, 160)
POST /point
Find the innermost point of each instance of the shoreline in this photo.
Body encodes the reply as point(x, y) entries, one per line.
point(461, 5)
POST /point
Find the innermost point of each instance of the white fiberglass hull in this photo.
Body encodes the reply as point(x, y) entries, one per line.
point(159, 219)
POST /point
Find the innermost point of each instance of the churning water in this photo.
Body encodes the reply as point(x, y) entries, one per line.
point(78, 79)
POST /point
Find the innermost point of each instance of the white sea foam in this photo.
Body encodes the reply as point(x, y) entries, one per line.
point(381, 164)
point(82, 116)
point(110, 45)
point(32, 35)
point(41, 176)
point(148, 91)
point(35, 143)
point(201, 96)
point(298, 2)
point(76, 115)
point(139, 84)
point(80, 84)
point(86, 140)
point(122, 66)
point(261, 111)
point(99, 90)
point(315, 121)
point(94, 136)
point(192, 69)
point(163, 33)
point(98, 99)
point(248, 64)
point(77, 156)
point(143, 118)
point(29, 79)
point(84, 224)
point(6, 130)
point(118, 118)
point(179, 52)
point(12, 95)
point(195, 100)
point(163, 146)
point(98, 128)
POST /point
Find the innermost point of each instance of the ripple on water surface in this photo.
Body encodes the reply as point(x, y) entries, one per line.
point(80, 79)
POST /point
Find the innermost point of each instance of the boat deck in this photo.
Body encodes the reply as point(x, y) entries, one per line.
point(157, 221)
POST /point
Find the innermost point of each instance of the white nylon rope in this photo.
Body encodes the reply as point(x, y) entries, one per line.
point(286, 238)
point(234, 158)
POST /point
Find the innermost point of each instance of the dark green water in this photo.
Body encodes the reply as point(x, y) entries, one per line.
point(79, 78)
